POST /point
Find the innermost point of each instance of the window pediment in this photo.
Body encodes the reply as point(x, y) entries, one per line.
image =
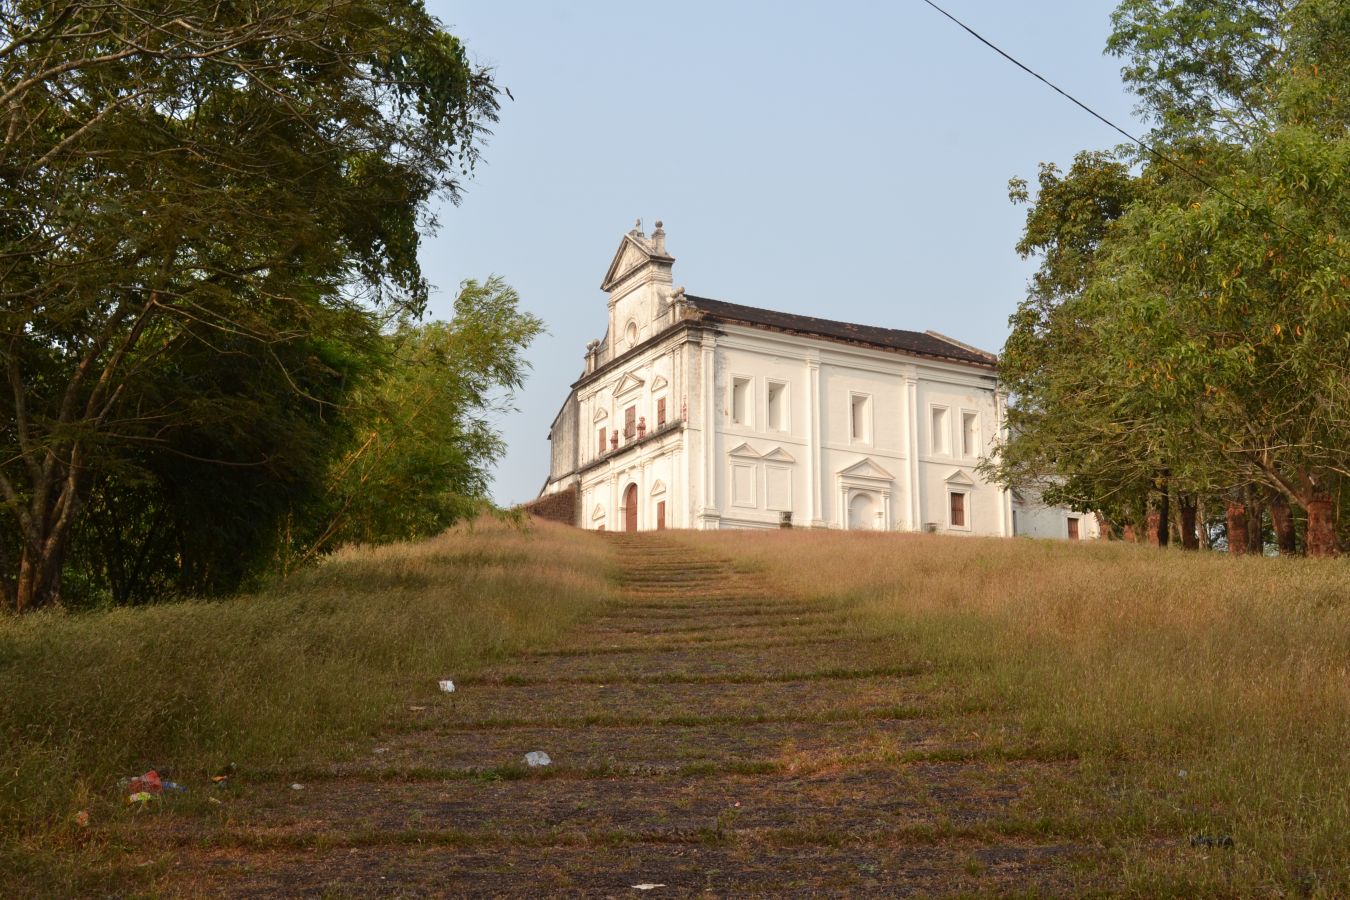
point(745, 451)
point(599, 512)
point(658, 488)
point(627, 384)
point(778, 454)
point(959, 477)
point(659, 382)
point(866, 468)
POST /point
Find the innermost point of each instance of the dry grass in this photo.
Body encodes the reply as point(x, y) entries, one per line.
point(274, 682)
point(1202, 695)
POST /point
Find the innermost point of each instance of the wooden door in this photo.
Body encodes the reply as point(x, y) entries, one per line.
point(630, 508)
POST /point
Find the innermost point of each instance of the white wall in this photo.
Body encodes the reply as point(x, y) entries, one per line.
point(747, 451)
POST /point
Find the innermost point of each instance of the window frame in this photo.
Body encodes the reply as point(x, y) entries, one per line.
point(853, 419)
point(964, 493)
point(934, 447)
point(785, 405)
point(972, 452)
point(747, 420)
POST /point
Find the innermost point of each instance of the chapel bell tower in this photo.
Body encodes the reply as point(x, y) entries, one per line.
point(639, 283)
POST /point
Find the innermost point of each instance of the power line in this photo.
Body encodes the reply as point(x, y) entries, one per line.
point(1096, 115)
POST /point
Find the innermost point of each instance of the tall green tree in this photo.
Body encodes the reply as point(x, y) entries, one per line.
point(1210, 316)
point(191, 177)
point(422, 431)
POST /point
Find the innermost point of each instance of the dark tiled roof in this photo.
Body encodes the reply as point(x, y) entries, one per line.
point(918, 342)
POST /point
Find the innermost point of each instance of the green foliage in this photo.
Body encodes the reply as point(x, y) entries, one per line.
point(1187, 327)
point(422, 440)
point(202, 206)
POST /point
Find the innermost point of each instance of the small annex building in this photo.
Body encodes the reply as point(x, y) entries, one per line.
point(699, 413)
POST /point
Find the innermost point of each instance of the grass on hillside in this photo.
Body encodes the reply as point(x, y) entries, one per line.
point(1202, 696)
point(272, 682)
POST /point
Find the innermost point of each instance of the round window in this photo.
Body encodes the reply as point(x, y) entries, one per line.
point(631, 333)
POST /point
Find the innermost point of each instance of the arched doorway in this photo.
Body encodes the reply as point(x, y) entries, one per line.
point(630, 508)
point(861, 513)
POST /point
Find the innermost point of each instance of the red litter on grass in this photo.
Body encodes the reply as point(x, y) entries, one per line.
point(148, 783)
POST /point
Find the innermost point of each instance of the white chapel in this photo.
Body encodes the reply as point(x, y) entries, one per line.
point(698, 413)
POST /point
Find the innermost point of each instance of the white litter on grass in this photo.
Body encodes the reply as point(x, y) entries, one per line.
point(647, 886)
point(297, 786)
point(447, 685)
point(537, 758)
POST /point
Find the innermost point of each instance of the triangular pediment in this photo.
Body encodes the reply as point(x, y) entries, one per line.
point(628, 382)
point(601, 414)
point(866, 468)
point(960, 477)
point(778, 454)
point(598, 512)
point(745, 450)
point(633, 253)
point(659, 382)
point(659, 487)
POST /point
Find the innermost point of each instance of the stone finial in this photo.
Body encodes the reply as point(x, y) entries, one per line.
point(659, 239)
point(637, 229)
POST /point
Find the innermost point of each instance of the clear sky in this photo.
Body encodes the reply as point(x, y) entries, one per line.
point(847, 160)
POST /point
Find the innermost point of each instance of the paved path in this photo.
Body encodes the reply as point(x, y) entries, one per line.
point(706, 735)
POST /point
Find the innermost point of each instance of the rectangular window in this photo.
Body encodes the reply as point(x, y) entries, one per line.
point(958, 510)
point(660, 515)
point(777, 406)
point(860, 417)
point(602, 440)
point(938, 435)
point(740, 401)
point(629, 423)
point(1073, 528)
point(970, 434)
point(660, 412)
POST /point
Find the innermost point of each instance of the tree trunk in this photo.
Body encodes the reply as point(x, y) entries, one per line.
point(1321, 540)
point(1237, 525)
point(1202, 520)
point(39, 578)
point(1189, 539)
point(1127, 533)
point(1256, 536)
point(1282, 521)
point(1160, 518)
point(45, 531)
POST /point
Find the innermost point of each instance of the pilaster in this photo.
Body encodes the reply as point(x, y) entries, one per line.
point(814, 458)
point(914, 488)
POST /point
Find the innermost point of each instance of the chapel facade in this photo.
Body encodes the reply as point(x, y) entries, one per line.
point(698, 413)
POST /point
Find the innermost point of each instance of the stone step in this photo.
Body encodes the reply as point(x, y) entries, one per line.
point(511, 705)
point(700, 865)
